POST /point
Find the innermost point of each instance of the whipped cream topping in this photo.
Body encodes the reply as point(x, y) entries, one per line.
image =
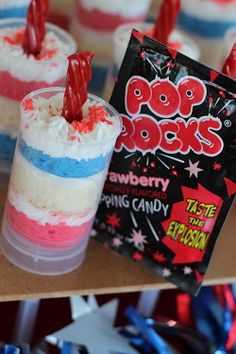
point(46, 130)
point(49, 66)
point(6, 4)
point(131, 8)
point(210, 10)
point(44, 217)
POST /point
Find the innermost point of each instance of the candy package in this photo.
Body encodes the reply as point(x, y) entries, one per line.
point(172, 178)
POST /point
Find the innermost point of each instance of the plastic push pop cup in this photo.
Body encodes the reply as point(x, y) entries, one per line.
point(58, 174)
point(21, 73)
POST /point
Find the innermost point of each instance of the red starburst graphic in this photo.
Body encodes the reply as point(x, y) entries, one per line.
point(217, 166)
point(231, 187)
point(137, 256)
point(158, 257)
point(113, 220)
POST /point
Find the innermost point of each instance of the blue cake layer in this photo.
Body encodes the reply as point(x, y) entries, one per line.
point(14, 12)
point(7, 146)
point(204, 28)
point(64, 166)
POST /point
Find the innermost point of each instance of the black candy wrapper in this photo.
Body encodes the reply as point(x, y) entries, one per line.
point(172, 177)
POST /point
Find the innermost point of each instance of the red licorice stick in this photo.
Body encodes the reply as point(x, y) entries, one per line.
point(166, 20)
point(229, 67)
point(35, 26)
point(78, 76)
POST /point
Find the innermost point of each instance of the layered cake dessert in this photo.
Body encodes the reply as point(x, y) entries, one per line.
point(93, 24)
point(21, 72)
point(58, 173)
point(207, 21)
point(168, 35)
point(177, 40)
point(13, 8)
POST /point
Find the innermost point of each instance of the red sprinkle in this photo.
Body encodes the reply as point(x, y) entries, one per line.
point(95, 114)
point(47, 54)
point(16, 38)
point(28, 104)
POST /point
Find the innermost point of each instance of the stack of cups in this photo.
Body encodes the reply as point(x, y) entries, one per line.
point(13, 8)
point(207, 21)
point(120, 39)
point(93, 24)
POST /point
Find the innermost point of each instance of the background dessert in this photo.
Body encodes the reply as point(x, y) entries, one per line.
point(207, 21)
point(174, 38)
point(22, 72)
point(92, 26)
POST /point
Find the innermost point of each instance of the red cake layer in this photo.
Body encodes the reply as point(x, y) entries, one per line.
point(53, 236)
point(103, 21)
point(16, 89)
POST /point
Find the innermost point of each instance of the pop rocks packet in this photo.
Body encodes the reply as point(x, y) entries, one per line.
point(171, 181)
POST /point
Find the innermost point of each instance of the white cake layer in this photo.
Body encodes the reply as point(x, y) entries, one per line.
point(66, 196)
point(43, 216)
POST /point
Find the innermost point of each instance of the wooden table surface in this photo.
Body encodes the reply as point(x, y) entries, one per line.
point(105, 272)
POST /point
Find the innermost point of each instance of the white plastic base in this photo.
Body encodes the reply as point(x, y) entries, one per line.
point(37, 259)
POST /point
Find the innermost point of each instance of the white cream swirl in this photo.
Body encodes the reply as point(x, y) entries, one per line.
point(50, 68)
point(46, 130)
